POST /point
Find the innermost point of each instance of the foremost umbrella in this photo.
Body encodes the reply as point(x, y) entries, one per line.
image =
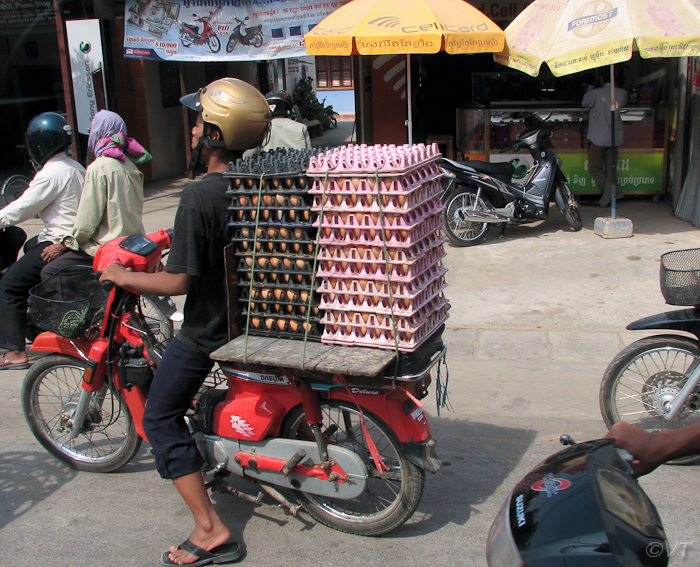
point(389, 27)
point(577, 35)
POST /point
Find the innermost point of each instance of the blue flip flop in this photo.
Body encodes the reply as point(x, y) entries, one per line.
point(226, 553)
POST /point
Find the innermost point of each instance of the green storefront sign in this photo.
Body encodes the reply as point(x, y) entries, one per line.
point(637, 173)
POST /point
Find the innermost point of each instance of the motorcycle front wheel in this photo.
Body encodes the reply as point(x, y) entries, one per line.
point(391, 496)
point(642, 377)
point(231, 44)
point(214, 43)
point(460, 231)
point(50, 394)
point(571, 212)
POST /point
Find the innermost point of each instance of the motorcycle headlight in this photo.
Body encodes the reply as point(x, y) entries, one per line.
point(501, 550)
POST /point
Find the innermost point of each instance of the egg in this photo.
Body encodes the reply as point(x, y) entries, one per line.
point(255, 322)
point(270, 322)
point(304, 295)
point(293, 325)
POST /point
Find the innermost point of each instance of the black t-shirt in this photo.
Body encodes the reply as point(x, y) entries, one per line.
point(197, 250)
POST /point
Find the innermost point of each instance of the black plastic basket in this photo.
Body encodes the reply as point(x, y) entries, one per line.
point(69, 303)
point(680, 277)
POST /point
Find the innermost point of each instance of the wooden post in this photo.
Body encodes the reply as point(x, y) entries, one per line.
point(66, 78)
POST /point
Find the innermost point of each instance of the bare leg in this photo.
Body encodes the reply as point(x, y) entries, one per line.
point(209, 531)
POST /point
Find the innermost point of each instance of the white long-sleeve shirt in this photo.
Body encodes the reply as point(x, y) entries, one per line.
point(53, 194)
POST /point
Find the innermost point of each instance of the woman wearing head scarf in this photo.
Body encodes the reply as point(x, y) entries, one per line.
point(112, 202)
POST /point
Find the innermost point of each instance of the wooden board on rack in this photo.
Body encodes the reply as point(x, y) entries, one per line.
point(273, 352)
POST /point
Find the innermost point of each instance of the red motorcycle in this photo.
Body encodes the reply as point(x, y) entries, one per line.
point(189, 34)
point(349, 437)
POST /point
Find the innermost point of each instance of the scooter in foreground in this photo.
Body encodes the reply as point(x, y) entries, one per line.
point(353, 449)
point(577, 508)
point(654, 383)
point(478, 195)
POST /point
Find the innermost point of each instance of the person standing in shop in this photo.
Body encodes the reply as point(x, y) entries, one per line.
point(600, 143)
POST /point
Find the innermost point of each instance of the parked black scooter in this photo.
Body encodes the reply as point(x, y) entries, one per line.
point(478, 195)
point(250, 36)
point(579, 507)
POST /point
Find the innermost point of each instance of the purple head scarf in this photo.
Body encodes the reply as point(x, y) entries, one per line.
point(108, 138)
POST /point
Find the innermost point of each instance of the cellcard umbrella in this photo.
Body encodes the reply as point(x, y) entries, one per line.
point(390, 27)
point(578, 35)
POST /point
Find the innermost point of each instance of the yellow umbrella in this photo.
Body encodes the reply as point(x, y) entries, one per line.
point(389, 27)
point(384, 27)
point(576, 35)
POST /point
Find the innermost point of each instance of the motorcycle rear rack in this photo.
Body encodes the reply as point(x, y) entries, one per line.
point(360, 365)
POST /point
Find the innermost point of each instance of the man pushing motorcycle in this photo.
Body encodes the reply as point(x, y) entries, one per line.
point(232, 116)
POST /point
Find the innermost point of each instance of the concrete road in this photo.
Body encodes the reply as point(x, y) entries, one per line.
point(536, 316)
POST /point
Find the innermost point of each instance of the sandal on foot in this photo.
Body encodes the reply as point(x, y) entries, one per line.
point(7, 365)
point(225, 553)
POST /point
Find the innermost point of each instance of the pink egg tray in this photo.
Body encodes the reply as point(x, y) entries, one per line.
point(407, 340)
point(364, 159)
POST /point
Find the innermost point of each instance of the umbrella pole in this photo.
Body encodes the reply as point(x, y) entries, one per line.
point(613, 147)
point(409, 122)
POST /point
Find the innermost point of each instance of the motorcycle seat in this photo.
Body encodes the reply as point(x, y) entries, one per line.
point(500, 170)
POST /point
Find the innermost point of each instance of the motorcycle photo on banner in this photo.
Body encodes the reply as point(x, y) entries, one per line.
point(182, 30)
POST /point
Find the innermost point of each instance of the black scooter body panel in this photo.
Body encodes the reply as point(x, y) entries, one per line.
point(559, 518)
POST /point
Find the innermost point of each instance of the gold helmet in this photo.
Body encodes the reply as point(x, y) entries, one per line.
point(237, 108)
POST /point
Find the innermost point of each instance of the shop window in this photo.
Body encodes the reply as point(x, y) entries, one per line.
point(334, 73)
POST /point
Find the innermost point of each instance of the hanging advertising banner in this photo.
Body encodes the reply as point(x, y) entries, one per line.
point(87, 70)
point(220, 30)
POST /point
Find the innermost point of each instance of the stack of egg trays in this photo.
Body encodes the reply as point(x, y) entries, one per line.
point(274, 263)
point(381, 253)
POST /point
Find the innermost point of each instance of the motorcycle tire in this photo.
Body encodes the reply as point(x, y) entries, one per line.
point(231, 44)
point(156, 311)
point(50, 393)
point(460, 232)
point(214, 43)
point(639, 374)
point(257, 40)
point(186, 40)
point(570, 211)
point(389, 499)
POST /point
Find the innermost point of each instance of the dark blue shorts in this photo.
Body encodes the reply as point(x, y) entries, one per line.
point(179, 377)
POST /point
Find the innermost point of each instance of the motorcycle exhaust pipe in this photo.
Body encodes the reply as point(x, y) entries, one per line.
point(466, 215)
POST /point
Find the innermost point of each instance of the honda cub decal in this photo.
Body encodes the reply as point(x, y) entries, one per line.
point(277, 379)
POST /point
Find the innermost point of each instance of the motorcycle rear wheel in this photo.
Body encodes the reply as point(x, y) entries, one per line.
point(571, 212)
point(639, 375)
point(214, 43)
point(257, 40)
point(155, 311)
point(459, 231)
point(50, 394)
point(389, 499)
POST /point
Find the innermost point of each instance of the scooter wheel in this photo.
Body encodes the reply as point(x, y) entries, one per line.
point(391, 496)
point(460, 231)
point(231, 44)
point(214, 43)
point(642, 377)
point(50, 394)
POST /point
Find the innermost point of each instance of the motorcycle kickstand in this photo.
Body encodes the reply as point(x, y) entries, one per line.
point(289, 508)
point(218, 484)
